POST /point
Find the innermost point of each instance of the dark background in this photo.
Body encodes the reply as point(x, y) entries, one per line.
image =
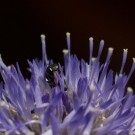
point(22, 22)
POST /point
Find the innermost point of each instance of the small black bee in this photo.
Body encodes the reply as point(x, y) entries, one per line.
point(50, 78)
point(50, 74)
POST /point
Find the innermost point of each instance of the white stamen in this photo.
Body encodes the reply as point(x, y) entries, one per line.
point(102, 42)
point(110, 49)
point(92, 88)
point(91, 39)
point(31, 133)
point(120, 75)
point(69, 64)
point(27, 86)
point(9, 67)
point(3, 103)
point(133, 60)
point(65, 51)
point(131, 72)
point(132, 133)
point(129, 90)
point(44, 54)
point(90, 54)
point(110, 52)
point(42, 37)
point(0, 57)
point(125, 52)
point(100, 49)
point(93, 59)
point(68, 34)
point(68, 40)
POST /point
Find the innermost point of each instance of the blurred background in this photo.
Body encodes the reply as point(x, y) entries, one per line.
point(22, 22)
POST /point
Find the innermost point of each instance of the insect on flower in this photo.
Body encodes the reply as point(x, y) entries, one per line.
point(87, 98)
point(50, 76)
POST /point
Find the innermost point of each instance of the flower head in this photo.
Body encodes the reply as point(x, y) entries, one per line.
point(78, 99)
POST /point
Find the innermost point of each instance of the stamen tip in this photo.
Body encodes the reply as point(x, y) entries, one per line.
point(9, 67)
point(102, 41)
point(65, 51)
point(134, 60)
point(93, 59)
point(129, 90)
point(92, 88)
point(68, 34)
point(31, 133)
point(125, 50)
point(0, 57)
point(91, 38)
point(3, 103)
point(110, 49)
point(42, 36)
point(27, 86)
point(120, 75)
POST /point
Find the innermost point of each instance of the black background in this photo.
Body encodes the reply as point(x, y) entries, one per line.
point(22, 22)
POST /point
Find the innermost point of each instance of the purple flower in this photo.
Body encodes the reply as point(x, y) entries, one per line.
point(85, 98)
